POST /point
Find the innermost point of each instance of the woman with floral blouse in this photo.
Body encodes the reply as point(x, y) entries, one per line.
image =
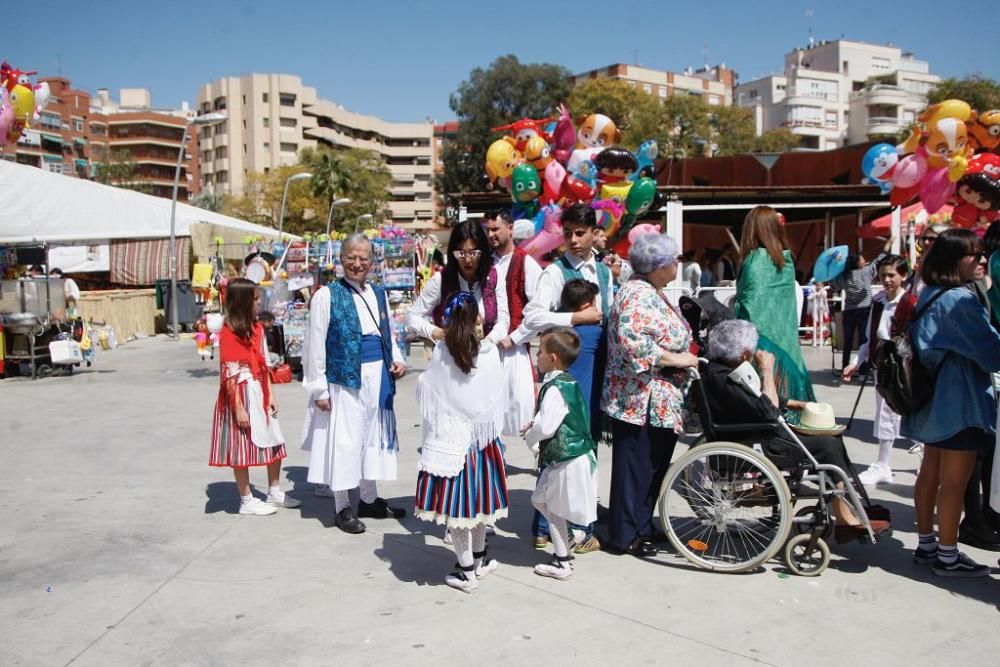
point(647, 379)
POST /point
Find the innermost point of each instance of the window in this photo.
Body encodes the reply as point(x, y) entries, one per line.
point(288, 147)
point(713, 100)
point(265, 98)
point(78, 125)
point(54, 167)
point(205, 107)
point(880, 63)
point(663, 91)
point(221, 153)
point(830, 119)
point(222, 177)
point(244, 149)
point(98, 129)
point(267, 147)
point(267, 122)
point(50, 120)
point(244, 100)
point(782, 86)
point(289, 122)
point(244, 124)
point(221, 128)
point(220, 104)
point(205, 133)
point(647, 88)
point(286, 99)
point(754, 94)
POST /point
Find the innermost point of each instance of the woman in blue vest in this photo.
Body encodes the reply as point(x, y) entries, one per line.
point(350, 362)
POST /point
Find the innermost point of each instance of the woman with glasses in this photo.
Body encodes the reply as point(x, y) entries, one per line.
point(469, 268)
point(954, 340)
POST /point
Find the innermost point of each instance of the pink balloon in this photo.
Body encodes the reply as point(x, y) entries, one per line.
point(6, 115)
point(936, 189)
point(553, 176)
point(909, 171)
point(639, 230)
point(549, 238)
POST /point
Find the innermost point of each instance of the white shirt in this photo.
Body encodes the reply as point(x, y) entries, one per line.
point(532, 272)
point(420, 318)
point(550, 415)
point(692, 276)
point(884, 331)
point(538, 315)
point(314, 346)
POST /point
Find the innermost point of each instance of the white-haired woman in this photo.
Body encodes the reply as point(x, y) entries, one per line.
point(648, 357)
point(733, 345)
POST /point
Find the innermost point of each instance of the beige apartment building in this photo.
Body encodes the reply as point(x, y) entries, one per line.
point(271, 117)
point(713, 84)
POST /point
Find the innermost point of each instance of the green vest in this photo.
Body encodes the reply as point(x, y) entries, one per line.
point(572, 439)
point(604, 282)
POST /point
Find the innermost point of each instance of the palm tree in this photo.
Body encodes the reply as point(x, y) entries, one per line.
point(331, 177)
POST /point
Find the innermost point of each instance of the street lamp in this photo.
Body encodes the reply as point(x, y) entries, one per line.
point(284, 197)
point(206, 119)
point(336, 203)
point(366, 218)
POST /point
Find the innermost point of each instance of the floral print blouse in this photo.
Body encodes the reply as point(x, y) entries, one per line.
point(641, 327)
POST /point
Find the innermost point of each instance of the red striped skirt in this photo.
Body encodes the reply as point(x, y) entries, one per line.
point(474, 496)
point(231, 445)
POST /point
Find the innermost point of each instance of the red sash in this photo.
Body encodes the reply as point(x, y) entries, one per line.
point(516, 296)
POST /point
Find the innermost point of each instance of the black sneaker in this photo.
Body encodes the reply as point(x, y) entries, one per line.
point(925, 556)
point(979, 534)
point(379, 509)
point(963, 567)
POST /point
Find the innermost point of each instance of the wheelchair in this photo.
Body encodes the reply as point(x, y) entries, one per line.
point(728, 507)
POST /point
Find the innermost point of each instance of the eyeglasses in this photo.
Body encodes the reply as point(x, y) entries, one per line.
point(354, 259)
point(466, 254)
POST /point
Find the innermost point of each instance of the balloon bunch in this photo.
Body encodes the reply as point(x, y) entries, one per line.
point(20, 102)
point(946, 158)
point(549, 164)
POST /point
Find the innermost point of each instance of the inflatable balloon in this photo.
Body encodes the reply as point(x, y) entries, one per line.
point(501, 158)
point(646, 157)
point(536, 151)
point(978, 192)
point(586, 172)
point(597, 131)
point(22, 98)
point(639, 230)
point(878, 165)
point(42, 95)
point(615, 165)
point(609, 215)
point(525, 187)
point(550, 237)
point(984, 130)
point(524, 130)
point(575, 190)
point(616, 192)
point(563, 136)
point(6, 115)
point(909, 172)
point(552, 182)
point(936, 189)
point(928, 121)
point(640, 197)
point(579, 156)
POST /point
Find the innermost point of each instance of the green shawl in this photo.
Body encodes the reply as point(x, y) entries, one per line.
point(766, 296)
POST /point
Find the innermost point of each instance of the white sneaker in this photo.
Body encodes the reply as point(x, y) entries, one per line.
point(323, 491)
point(447, 536)
point(256, 507)
point(486, 566)
point(917, 450)
point(462, 581)
point(876, 473)
point(282, 499)
point(556, 569)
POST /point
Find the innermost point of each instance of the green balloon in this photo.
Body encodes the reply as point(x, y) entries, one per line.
point(525, 184)
point(640, 196)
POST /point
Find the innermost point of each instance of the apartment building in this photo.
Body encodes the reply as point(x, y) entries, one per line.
point(271, 117)
point(841, 92)
point(76, 132)
point(713, 84)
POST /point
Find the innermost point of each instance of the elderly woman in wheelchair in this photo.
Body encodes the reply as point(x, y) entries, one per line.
point(728, 506)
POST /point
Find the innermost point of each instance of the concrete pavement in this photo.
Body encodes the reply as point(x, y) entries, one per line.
point(119, 545)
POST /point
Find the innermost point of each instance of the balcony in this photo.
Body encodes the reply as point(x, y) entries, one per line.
point(881, 94)
point(884, 125)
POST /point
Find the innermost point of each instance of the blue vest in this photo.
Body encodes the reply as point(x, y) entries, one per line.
point(343, 336)
point(603, 281)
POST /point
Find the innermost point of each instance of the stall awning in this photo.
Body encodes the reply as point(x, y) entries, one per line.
point(54, 138)
point(48, 157)
point(80, 163)
point(80, 141)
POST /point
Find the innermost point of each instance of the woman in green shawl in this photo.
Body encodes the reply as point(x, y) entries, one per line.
point(765, 295)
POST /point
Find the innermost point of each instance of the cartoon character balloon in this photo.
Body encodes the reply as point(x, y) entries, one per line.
point(525, 188)
point(22, 98)
point(550, 236)
point(6, 116)
point(536, 151)
point(501, 158)
point(984, 130)
point(879, 165)
point(978, 192)
point(524, 130)
point(646, 157)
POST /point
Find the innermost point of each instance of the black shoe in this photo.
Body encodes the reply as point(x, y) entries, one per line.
point(979, 535)
point(379, 510)
point(348, 522)
point(643, 549)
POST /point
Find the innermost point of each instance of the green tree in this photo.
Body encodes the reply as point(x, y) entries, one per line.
point(261, 201)
point(210, 201)
point(981, 92)
point(778, 140)
point(360, 175)
point(687, 125)
point(734, 130)
point(499, 94)
point(117, 168)
point(637, 114)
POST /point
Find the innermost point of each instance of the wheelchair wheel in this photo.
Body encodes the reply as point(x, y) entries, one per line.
point(724, 507)
point(804, 561)
point(804, 522)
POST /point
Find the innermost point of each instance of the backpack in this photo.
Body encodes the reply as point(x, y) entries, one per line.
point(900, 379)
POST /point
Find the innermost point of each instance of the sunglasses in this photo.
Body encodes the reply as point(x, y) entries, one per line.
point(980, 256)
point(466, 254)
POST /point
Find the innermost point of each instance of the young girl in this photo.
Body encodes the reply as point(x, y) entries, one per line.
point(461, 481)
point(245, 430)
point(892, 272)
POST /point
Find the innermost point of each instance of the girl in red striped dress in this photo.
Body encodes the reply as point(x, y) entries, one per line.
point(245, 430)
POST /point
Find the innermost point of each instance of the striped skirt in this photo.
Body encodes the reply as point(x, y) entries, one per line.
point(477, 495)
point(231, 445)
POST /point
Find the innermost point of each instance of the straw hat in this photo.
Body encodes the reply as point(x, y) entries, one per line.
point(817, 419)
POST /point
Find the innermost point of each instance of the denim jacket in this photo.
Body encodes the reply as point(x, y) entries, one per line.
point(956, 342)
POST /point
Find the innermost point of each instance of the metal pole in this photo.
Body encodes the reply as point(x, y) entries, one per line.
point(281, 214)
point(175, 327)
point(329, 219)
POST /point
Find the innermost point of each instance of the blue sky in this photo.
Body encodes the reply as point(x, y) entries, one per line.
point(401, 60)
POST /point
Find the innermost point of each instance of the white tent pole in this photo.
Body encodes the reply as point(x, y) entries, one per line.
point(897, 215)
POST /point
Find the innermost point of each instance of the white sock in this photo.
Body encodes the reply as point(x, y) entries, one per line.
point(948, 554)
point(341, 499)
point(275, 490)
point(245, 499)
point(884, 450)
point(461, 542)
point(559, 534)
point(368, 490)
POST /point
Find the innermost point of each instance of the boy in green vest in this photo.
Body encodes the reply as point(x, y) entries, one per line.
point(560, 435)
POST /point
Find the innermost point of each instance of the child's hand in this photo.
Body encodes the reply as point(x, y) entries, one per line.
point(242, 418)
point(526, 428)
point(534, 449)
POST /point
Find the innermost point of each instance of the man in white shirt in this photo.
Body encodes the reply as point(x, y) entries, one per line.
point(350, 361)
point(70, 288)
point(517, 273)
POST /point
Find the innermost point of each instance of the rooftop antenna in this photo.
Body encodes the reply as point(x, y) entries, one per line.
point(812, 40)
point(704, 55)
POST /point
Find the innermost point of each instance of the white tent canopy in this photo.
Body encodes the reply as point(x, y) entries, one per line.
point(38, 206)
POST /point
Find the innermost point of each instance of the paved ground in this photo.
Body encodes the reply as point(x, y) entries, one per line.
point(120, 546)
